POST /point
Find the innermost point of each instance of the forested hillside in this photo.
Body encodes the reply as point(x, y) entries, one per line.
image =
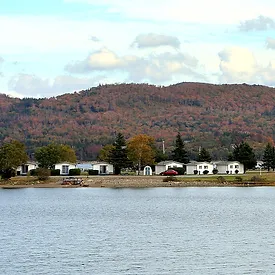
point(212, 116)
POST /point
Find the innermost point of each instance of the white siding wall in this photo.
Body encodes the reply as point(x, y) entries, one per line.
point(64, 168)
point(170, 165)
point(190, 169)
point(205, 166)
point(200, 167)
point(31, 166)
point(101, 167)
point(159, 169)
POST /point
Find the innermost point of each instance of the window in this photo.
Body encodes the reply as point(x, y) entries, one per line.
point(237, 166)
point(200, 167)
point(205, 166)
point(65, 169)
point(231, 166)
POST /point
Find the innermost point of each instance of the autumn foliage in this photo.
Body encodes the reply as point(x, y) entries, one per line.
point(211, 116)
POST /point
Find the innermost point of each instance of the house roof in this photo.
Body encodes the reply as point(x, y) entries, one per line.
point(31, 162)
point(100, 162)
point(65, 162)
point(93, 162)
point(197, 163)
point(225, 162)
point(168, 161)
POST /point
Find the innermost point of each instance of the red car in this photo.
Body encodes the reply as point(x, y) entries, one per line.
point(169, 172)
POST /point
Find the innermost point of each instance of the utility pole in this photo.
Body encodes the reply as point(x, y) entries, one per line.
point(163, 147)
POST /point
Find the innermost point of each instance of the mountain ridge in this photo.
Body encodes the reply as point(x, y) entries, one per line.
point(209, 115)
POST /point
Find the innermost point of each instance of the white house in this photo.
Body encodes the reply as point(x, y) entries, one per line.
point(64, 167)
point(200, 167)
point(26, 167)
point(168, 164)
point(229, 167)
point(103, 168)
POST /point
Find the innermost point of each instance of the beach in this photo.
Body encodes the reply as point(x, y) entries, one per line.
point(123, 182)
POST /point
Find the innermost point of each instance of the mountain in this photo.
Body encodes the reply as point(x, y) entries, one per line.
point(211, 116)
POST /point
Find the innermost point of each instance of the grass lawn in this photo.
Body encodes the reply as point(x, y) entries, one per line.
point(250, 176)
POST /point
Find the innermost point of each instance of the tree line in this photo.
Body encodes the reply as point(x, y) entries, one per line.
point(134, 153)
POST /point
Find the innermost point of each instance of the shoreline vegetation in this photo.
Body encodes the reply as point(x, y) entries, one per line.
point(112, 181)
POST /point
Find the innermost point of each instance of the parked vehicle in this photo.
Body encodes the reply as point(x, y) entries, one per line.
point(169, 172)
point(72, 181)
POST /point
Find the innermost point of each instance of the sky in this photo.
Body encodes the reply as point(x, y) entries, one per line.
point(53, 47)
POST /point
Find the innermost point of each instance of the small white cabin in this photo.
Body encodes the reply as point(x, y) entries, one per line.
point(64, 167)
point(168, 164)
point(103, 168)
point(229, 167)
point(199, 168)
point(26, 167)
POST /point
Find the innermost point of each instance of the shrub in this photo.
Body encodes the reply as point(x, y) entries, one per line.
point(74, 172)
point(221, 179)
point(257, 179)
point(236, 171)
point(205, 172)
point(8, 173)
point(215, 171)
point(180, 170)
point(43, 173)
point(196, 172)
point(227, 172)
point(55, 172)
point(93, 172)
point(170, 178)
point(33, 172)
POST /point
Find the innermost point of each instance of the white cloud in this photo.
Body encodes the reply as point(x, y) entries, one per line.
point(270, 43)
point(94, 38)
point(101, 60)
point(268, 74)
point(14, 94)
point(25, 85)
point(239, 65)
point(154, 67)
point(260, 23)
point(151, 40)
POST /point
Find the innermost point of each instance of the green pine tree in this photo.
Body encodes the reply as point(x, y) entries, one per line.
point(179, 153)
point(118, 155)
point(268, 157)
point(204, 155)
point(245, 155)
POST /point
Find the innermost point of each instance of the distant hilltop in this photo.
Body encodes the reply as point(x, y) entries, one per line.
point(212, 116)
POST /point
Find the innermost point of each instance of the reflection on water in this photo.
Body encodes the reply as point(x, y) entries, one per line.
point(137, 231)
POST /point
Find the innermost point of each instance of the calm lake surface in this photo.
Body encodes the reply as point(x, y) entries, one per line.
point(137, 231)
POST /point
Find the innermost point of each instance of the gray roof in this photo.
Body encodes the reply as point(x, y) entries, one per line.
point(197, 162)
point(225, 162)
point(168, 161)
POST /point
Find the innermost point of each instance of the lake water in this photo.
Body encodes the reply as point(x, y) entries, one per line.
point(137, 231)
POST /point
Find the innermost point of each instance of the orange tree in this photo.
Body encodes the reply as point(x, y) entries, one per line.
point(141, 150)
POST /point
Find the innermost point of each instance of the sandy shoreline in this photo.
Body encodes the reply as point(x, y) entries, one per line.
point(124, 182)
